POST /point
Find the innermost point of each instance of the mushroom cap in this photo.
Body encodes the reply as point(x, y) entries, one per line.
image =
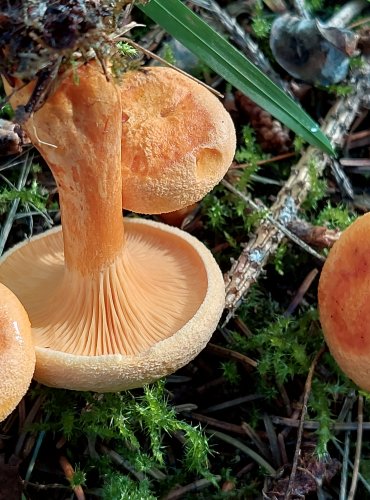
point(344, 298)
point(17, 353)
point(165, 277)
point(177, 140)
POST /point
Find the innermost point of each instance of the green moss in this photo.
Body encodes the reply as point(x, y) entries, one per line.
point(135, 425)
point(260, 24)
point(317, 190)
point(249, 150)
point(283, 348)
point(121, 487)
point(230, 372)
point(338, 217)
point(34, 194)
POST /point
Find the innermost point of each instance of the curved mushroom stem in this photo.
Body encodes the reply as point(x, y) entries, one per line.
point(86, 162)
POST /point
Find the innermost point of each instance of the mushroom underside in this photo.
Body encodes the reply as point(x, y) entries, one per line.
point(146, 315)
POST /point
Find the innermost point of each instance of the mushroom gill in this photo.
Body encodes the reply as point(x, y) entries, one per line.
point(150, 291)
point(113, 304)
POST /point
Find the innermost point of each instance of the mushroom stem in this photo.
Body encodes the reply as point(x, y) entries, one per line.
point(86, 162)
point(93, 215)
point(124, 309)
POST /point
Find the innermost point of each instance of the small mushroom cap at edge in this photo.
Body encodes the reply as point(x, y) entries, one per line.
point(17, 353)
point(344, 298)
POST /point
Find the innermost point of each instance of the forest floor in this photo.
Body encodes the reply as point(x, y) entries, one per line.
point(263, 411)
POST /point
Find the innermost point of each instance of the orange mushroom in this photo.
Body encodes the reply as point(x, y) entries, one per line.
point(177, 140)
point(17, 353)
point(344, 297)
point(111, 306)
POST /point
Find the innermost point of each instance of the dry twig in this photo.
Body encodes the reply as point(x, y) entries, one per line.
point(229, 353)
point(69, 473)
point(248, 451)
point(307, 391)
point(344, 474)
point(232, 403)
point(312, 425)
point(256, 253)
point(364, 482)
point(242, 39)
point(192, 487)
point(218, 424)
point(298, 297)
point(356, 464)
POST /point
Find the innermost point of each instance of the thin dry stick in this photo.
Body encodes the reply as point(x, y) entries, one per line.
point(253, 436)
point(116, 458)
point(256, 253)
point(233, 402)
point(345, 416)
point(245, 449)
point(218, 424)
point(151, 54)
point(307, 391)
point(312, 425)
point(349, 11)
point(344, 475)
point(229, 353)
point(260, 208)
point(273, 440)
point(242, 39)
point(29, 419)
point(356, 464)
point(298, 297)
point(192, 487)
point(69, 473)
point(265, 161)
point(364, 482)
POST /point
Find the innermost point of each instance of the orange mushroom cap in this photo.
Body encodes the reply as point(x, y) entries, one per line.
point(177, 140)
point(344, 298)
point(17, 353)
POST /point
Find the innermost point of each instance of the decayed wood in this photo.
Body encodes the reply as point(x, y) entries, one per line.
point(257, 251)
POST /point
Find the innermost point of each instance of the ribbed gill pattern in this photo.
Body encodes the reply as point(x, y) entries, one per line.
point(151, 290)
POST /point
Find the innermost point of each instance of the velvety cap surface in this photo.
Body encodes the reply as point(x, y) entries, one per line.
point(17, 353)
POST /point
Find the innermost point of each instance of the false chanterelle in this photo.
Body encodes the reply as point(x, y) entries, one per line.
point(115, 303)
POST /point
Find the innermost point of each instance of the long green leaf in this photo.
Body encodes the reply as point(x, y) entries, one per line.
point(231, 64)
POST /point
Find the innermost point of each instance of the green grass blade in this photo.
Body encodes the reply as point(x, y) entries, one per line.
point(231, 64)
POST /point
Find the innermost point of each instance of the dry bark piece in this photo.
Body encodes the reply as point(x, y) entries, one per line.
point(17, 354)
point(344, 295)
point(111, 307)
point(177, 140)
point(317, 236)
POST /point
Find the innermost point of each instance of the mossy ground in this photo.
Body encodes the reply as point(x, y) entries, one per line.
point(226, 425)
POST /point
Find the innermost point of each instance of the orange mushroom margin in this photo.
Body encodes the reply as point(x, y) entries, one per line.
point(115, 306)
point(17, 353)
point(344, 298)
